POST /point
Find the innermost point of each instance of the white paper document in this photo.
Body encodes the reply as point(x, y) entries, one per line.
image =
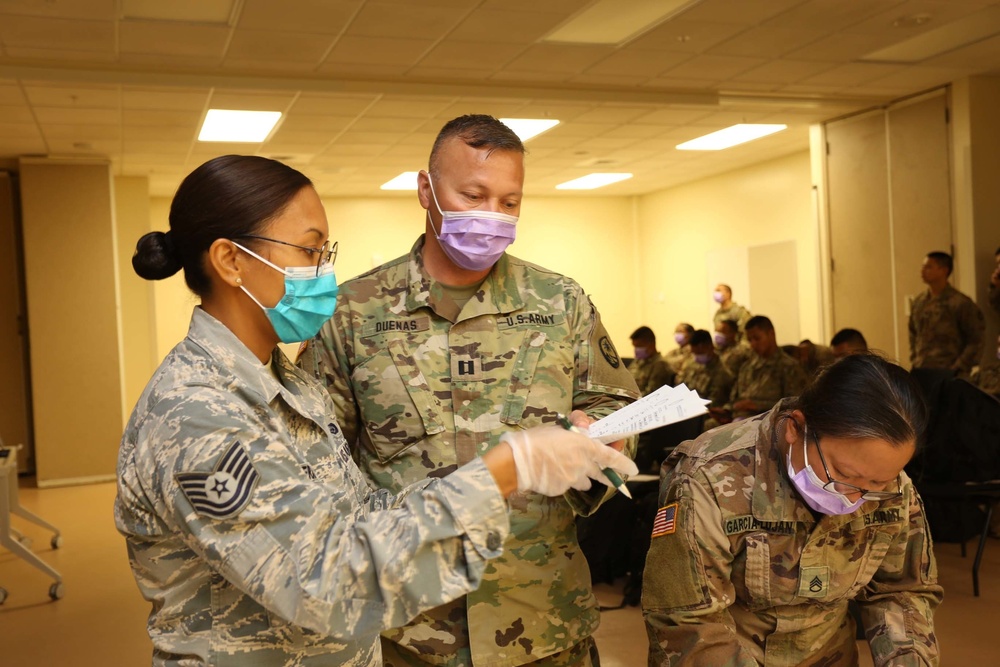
point(666, 405)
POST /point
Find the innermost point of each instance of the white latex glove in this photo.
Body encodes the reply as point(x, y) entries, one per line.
point(550, 460)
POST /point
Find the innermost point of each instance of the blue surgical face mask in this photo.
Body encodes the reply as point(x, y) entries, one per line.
point(309, 300)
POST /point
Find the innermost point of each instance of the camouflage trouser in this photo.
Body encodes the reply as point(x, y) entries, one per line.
point(583, 654)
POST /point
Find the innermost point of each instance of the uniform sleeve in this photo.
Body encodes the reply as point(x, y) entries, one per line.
point(687, 587)
point(662, 375)
point(601, 386)
point(898, 604)
point(744, 317)
point(723, 386)
point(302, 548)
point(972, 326)
point(326, 357)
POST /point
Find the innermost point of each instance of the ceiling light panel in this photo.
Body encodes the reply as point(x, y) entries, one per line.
point(730, 136)
point(405, 181)
point(526, 128)
point(615, 22)
point(592, 181)
point(238, 126)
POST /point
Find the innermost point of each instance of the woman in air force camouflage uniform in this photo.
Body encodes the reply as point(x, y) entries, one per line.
point(248, 525)
point(768, 527)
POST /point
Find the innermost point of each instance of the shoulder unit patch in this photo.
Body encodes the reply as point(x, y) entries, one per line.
point(223, 493)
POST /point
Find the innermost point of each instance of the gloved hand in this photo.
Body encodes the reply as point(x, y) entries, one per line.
point(550, 460)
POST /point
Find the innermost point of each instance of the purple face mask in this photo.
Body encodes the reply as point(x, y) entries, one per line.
point(702, 359)
point(810, 487)
point(641, 353)
point(720, 340)
point(473, 240)
point(681, 338)
point(717, 296)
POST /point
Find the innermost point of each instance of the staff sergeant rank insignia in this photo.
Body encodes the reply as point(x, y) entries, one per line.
point(224, 493)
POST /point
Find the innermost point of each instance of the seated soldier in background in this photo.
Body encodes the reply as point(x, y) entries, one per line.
point(733, 349)
point(813, 357)
point(682, 354)
point(848, 341)
point(767, 377)
point(650, 370)
point(707, 375)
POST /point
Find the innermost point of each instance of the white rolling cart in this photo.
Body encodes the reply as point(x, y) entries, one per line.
point(13, 539)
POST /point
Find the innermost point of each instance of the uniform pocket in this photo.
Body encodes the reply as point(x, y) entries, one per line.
point(541, 381)
point(757, 578)
point(396, 403)
point(871, 561)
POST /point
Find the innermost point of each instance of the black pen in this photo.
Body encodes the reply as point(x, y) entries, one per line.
point(608, 472)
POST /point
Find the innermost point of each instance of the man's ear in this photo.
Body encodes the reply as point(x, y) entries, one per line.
point(224, 259)
point(424, 189)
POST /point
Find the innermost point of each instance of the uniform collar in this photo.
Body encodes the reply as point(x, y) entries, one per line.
point(226, 349)
point(499, 293)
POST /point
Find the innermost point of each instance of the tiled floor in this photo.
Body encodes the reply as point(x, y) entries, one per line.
point(101, 619)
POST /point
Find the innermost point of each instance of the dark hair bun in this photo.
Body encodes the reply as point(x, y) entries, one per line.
point(155, 257)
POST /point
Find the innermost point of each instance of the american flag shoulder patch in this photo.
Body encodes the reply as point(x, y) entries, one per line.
point(224, 492)
point(665, 522)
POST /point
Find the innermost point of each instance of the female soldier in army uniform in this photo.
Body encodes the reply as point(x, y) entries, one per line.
point(248, 525)
point(768, 527)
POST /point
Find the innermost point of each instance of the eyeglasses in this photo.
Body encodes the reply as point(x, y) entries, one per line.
point(845, 488)
point(327, 254)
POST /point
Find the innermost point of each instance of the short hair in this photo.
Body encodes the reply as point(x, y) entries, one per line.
point(643, 333)
point(727, 288)
point(733, 325)
point(700, 337)
point(848, 336)
point(762, 322)
point(943, 259)
point(688, 329)
point(477, 131)
point(865, 396)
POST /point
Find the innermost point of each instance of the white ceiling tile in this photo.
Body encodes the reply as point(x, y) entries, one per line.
point(250, 101)
point(507, 25)
point(450, 75)
point(168, 99)
point(841, 47)
point(9, 129)
point(63, 34)
point(166, 38)
point(380, 19)
point(748, 12)
point(636, 131)
point(615, 80)
point(182, 11)
point(782, 71)
point(767, 42)
point(686, 36)
point(269, 67)
point(93, 97)
point(524, 76)
point(852, 74)
point(351, 136)
point(403, 107)
point(78, 132)
point(154, 62)
point(637, 63)
point(308, 16)
point(285, 46)
point(20, 114)
point(72, 57)
point(154, 147)
point(916, 78)
point(709, 68)
point(569, 58)
point(939, 13)
point(333, 104)
point(180, 134)
point(378, 51)
point(355, 150)
point(189, 119)
point(834, 15)
point(78, 9)
point(610, 114)
point(11, 95)
point(72, 147)
point(984, 55)
point(297, 122)
point(394, 126)
point(454, 54)
point(672, 116)
point(65, 116)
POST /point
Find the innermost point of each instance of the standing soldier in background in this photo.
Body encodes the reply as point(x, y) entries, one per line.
point(707, 375)
point(732, 346)
point(729, 309)
point(650, 370)
point(768, 376)
point(946, 326)
point(432, 356)
point(681, 354)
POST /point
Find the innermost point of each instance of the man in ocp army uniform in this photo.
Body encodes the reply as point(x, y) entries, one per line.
point(768, 376)
point(946, 327)
point(430, 357)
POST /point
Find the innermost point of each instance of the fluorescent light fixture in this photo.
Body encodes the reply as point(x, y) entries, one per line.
point(405, 181)
point(591, 181)
point(731, 136)
point(526, 128)
point(949, 37)
point(238, 126)
point(616, 22)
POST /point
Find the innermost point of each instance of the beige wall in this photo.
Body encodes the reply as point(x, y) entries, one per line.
point(138, 319)
point(680, 228)
point(976, 159)
point(591, 239)
point(70, 273)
